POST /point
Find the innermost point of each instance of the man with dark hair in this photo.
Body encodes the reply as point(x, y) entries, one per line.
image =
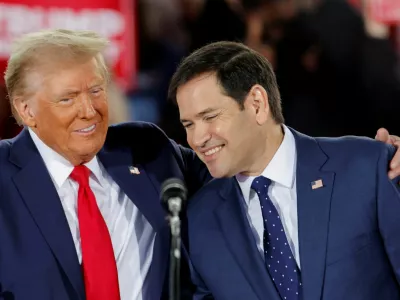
point(229, 66)
point(287, 216)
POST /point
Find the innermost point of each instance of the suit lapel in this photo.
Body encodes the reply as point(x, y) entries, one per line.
point(239, 237)
point(313, 207)
point(40, 196)
point(137, 186)
point(143, 189)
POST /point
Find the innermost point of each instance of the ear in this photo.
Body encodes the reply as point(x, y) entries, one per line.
point(24, 108)
point(257, 99)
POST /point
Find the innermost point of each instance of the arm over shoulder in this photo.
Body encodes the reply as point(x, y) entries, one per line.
point(388, 205)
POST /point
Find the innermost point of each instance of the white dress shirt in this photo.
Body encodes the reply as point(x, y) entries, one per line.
point(282, 172)
point(131, 234)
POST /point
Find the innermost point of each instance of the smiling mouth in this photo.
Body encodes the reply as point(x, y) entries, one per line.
point(87, 129)
point(213, 151)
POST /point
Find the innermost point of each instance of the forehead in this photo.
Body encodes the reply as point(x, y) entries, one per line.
point(200, 93)
point(58, 75)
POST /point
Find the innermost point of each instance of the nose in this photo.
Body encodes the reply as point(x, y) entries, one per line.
point(86, 109)
point(199, 136)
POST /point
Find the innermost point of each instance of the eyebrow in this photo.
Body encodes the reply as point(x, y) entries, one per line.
point(96, 84)
point(68, 91)
point(201, 114)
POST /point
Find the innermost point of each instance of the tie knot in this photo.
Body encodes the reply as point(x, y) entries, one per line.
point(81, 175)
point(260, 184)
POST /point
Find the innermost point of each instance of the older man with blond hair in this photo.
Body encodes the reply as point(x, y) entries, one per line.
point(76, 221)
point(80, 216)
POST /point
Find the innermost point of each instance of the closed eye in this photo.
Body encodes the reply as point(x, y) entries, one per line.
point(187, 125)
point(96, 91)
point(210, 118)
point(66, 100)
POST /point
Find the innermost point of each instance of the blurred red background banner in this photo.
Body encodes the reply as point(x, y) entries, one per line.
point(386, 11)
point(113, 19)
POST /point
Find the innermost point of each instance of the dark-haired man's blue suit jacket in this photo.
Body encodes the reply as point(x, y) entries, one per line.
point(38, 260)
point(349, 230)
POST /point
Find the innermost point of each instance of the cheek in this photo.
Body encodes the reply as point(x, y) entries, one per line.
point(221, 129)
point(218, 130)
point(226, 131)
point(56, 117)
point(240, 134)
point(101, 106)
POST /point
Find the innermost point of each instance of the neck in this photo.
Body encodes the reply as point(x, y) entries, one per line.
point(269, 144)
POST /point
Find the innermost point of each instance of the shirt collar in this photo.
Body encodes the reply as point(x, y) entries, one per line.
point(281, 169)
point(59, 167)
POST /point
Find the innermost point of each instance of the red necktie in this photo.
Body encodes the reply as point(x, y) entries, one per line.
point(98, 261)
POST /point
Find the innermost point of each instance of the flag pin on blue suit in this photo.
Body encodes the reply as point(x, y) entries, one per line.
point(317, 184)
point(134, 170)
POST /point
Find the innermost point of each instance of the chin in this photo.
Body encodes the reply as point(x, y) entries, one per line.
point(87, 149)
point(215, 173)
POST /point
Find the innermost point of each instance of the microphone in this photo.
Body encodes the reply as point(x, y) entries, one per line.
point(173, 197)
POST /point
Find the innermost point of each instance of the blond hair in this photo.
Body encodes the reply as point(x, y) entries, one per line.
point(32, 49)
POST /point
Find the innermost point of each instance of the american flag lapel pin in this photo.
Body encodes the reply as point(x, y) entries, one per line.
point(134, 170)
point(317, 184)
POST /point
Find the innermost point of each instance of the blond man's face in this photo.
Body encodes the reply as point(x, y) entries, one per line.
point(68, 108)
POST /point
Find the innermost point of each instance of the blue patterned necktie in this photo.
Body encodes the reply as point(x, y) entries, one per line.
point(279, 259)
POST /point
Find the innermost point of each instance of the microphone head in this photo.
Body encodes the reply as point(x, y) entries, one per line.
point(173, 188)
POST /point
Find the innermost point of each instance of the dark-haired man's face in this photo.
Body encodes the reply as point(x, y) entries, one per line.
point(220, 133)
